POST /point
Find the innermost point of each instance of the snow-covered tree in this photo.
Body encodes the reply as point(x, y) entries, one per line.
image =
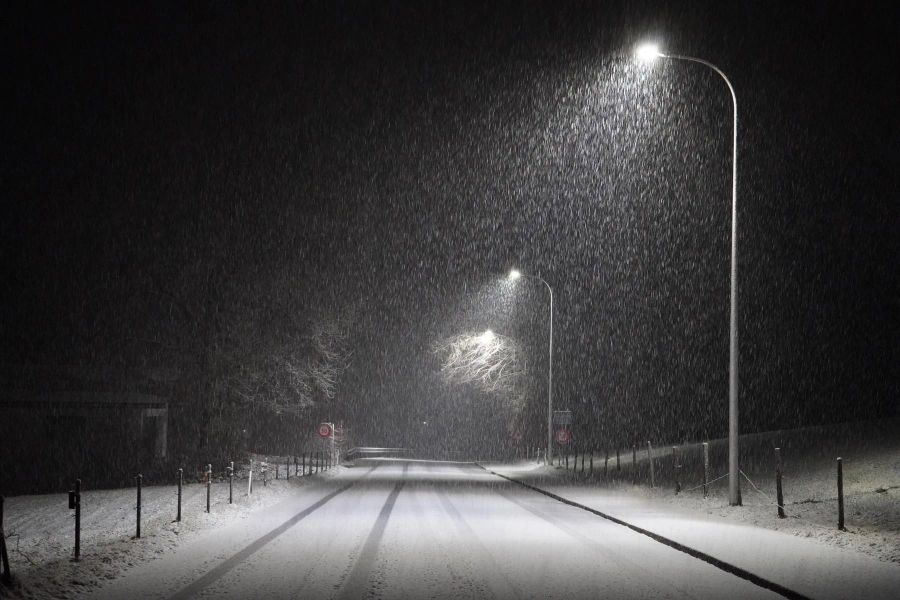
point(296, 367)
point(489, 362)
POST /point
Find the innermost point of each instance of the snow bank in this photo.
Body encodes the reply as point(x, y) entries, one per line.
point(871, 457)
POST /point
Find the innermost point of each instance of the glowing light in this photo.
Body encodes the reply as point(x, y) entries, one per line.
point(648, 52)
point(487, 337)
point(514, 274)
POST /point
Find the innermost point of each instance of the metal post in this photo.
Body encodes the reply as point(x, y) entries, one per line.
point(734, 482)
point(633, 464)
point(779, 495)
point(650, 457)
point(5, 575)
point(180, 483)
point(705, 469)
point(231, 483)
point(550, 380)
point(840, 490)
point(140, 479)
point(208, 485)
point(77, 519)
point(675, 469)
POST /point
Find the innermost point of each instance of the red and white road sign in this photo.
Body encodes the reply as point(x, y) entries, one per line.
point(324, 430)
point(563, 436)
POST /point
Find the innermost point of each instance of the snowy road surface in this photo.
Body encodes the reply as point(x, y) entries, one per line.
point(420, 530)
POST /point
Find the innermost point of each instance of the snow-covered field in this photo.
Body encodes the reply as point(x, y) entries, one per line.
point(871, 465)
point(40, 530)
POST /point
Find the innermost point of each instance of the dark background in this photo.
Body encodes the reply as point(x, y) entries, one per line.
point(400, 157)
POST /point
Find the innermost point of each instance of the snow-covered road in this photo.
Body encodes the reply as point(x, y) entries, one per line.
point(417, 529)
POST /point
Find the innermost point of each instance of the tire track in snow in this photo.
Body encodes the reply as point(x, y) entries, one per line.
point(355, 586)
point(500, 585)
point(230, 563)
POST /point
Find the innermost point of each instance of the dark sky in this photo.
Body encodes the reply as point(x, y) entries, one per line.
point(401, 156)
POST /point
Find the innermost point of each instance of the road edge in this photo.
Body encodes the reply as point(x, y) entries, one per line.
point(708, 558)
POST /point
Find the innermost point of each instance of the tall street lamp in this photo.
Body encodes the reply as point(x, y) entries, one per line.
point(513, 275)
point(649, 52)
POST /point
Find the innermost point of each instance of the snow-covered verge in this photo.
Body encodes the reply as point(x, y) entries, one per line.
point(40, 530)
point(871, 469)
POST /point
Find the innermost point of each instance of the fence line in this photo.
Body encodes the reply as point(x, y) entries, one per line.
point(230, 473)
point(679, 463)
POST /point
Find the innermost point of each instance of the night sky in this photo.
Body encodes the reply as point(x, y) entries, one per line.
point(397, 158)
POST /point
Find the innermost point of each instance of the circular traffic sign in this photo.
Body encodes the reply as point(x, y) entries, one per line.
point(324, 430)
point(563, 436)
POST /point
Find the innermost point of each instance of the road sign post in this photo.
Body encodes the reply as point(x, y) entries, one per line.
point(326, 431)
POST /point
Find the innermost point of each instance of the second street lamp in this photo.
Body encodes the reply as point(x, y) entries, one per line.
point(649, 52)
point(513, 275)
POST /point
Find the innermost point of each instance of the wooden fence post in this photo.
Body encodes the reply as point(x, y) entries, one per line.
point(606, 465)
point(840, 490)
point(618, 463)
point(591, 473)
point(650, 457)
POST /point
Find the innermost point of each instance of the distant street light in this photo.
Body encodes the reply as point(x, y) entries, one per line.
point(649, 52)
point(514, 275)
